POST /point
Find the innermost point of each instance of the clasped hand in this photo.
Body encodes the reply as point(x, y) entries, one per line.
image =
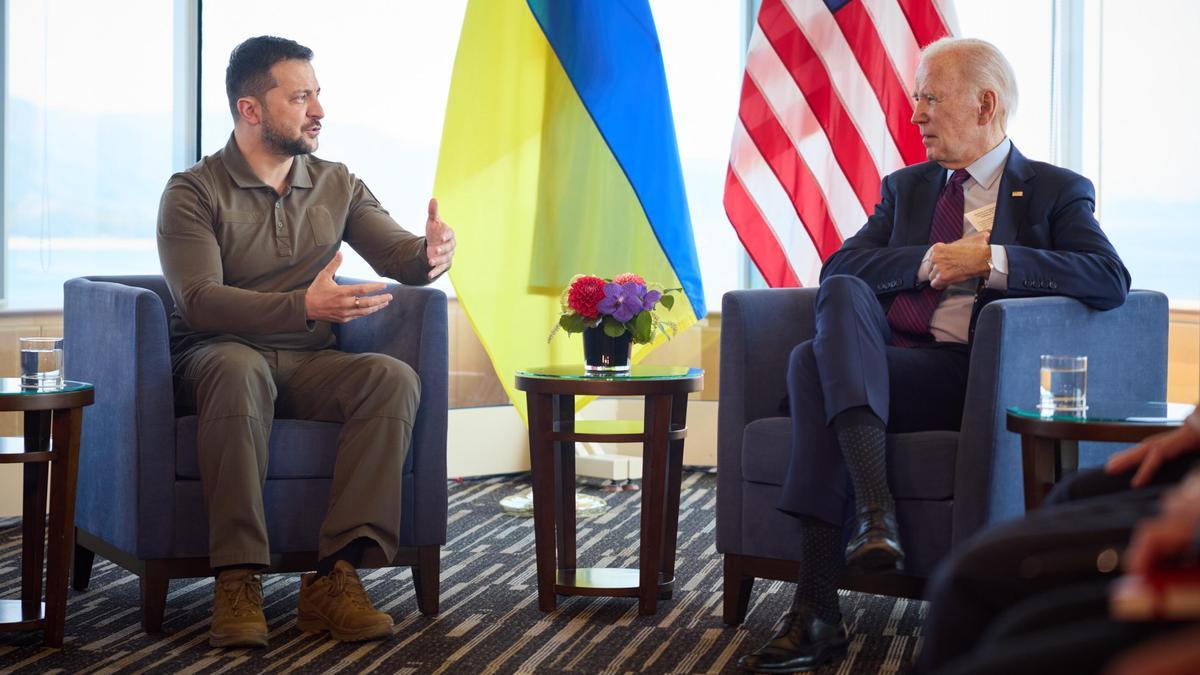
point(958, 261)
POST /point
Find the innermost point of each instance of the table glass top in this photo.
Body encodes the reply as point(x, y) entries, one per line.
point(11, 386)
point(1113, 412)
point(638, 372)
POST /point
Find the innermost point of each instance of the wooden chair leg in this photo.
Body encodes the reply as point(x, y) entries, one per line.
point(82, 568)
point(426, 578)
point(154, 583)
point(737, 589)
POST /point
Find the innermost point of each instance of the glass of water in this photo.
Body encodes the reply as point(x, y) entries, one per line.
point(1063, 385)
point(41, 362)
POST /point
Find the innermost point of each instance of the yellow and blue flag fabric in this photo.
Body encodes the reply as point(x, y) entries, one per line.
point(558, 158)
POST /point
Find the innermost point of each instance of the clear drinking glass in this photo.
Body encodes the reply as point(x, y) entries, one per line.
point(41, 362)
point(1063, 384)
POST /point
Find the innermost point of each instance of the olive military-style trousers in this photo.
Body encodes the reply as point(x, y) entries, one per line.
point(237, 391)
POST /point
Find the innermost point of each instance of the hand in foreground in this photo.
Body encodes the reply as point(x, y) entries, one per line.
point(1169, 536)
point(439, 242)
point(1153, 452)
point(326, 300)
point(958, 261)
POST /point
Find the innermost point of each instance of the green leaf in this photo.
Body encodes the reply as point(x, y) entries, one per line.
point(613, 328)
point(667, 301)
point(643, 328)
point(572, 323)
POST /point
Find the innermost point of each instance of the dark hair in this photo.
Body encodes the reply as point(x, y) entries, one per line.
point(249, 71)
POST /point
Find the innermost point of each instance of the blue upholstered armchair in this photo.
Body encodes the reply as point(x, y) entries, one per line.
point(947, 484)
point(139, 501)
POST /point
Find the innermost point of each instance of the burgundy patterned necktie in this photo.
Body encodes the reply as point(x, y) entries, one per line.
point(911, 311)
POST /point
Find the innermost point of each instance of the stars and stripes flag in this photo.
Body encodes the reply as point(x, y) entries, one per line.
point(824, 116)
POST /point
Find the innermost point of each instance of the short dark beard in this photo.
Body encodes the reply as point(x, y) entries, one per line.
point(282, 145)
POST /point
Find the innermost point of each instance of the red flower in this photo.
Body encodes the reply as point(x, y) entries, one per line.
point(584, 294)
point(629, 277)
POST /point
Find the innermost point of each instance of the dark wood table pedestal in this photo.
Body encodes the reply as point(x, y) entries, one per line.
point(50, 452)
point(553, 432)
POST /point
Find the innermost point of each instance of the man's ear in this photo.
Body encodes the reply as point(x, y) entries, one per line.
point(987, 107)
point(249, 109)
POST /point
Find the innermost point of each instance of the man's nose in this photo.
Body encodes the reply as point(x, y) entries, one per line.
point(918, 115)
point(315, 109)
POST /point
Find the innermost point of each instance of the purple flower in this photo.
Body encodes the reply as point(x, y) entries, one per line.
point(622, 301)
point(650, 299)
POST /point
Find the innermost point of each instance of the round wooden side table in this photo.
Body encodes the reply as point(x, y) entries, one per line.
point(1050, 440)
point(50, 446)
point(553, 432)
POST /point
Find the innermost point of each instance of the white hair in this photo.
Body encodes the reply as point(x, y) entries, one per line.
point(982, 65)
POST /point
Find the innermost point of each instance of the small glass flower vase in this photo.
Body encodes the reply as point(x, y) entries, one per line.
point(604, 354)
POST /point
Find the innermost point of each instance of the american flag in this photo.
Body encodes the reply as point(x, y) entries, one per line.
point(824, 116)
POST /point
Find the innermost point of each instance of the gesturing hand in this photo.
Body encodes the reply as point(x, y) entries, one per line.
point(326, 300)
point(958, 261)
point(439, 242)
point(1152, 453)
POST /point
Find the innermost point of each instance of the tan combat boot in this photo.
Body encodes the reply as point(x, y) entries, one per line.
point(338, 603)
point(237, 615)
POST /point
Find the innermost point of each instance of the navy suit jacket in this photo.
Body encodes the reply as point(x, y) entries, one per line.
point(1049, 231)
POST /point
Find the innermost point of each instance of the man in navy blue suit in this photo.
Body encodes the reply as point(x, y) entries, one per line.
point(894, 317)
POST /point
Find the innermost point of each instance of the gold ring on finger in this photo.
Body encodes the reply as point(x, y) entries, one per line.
point(356, 305)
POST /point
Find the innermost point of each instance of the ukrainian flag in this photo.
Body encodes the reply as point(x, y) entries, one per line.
point(558, 158)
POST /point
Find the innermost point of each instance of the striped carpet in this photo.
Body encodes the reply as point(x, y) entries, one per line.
point(489, 621)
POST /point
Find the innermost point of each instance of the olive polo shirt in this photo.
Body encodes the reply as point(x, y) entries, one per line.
point(239, 257)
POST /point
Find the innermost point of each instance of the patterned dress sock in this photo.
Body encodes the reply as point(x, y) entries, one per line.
point(863, 440)
point(821, 565)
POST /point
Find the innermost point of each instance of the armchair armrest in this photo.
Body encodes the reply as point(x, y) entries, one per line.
point(759, 329)
point(116, 338)
point(413, 329)
point(1127, 360)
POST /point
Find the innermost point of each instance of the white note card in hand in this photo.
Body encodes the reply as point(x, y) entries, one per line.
point(981, 218)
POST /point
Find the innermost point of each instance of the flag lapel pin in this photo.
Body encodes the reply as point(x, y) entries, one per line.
point(1018, 193)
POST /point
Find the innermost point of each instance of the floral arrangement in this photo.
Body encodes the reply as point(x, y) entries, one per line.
point(624, 303)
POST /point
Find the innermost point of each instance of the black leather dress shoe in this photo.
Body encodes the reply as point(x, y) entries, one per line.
point(803, 643)
point(875, 546)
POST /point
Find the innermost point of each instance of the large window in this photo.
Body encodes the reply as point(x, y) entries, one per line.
point(88, 142)
point(1146, 140)
point(702, 53)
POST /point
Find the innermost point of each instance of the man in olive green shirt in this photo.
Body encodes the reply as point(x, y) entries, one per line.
point(248, 239)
